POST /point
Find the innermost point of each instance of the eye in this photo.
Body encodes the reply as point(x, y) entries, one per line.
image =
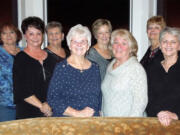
point(164, 41)
point(157, 28)
point(12, 32)
point(115, 43)
point(149, 28)
point(39, 33)
point(124, 44)
point(31, 34)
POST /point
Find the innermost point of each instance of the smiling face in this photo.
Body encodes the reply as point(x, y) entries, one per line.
point(55, 36)
point(103, 35)
point(120, 48)
point(34, 37)
point(8, 36)
point(169, 45)
point(79, 45)
point(153, 31)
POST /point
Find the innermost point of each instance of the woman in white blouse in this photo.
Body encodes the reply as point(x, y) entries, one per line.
point(125, 85)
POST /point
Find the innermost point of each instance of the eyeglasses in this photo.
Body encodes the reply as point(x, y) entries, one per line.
point(83, 42)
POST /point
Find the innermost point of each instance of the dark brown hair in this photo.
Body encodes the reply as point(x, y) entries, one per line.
point(4, 26)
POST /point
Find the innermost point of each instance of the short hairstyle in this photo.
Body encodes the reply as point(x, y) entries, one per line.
point(170, 30)
point(79, 30)
point(32, 21)
point(157, 20)
point(125, 34)
point(54, 24)
point(13, 28)
point(98, 23)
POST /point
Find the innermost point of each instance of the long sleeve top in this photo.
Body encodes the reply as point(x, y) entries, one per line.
point(163, 88)
point(93, 55)
point(6, 83)
point(150, 56)
point(71, 87)
point(30, 78)
point(124, 90)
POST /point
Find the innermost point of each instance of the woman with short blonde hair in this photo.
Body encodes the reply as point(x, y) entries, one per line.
point(124, 87)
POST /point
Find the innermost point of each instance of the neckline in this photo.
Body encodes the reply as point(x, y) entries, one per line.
point(34, 58)
point(101, 55)
point(79, 70)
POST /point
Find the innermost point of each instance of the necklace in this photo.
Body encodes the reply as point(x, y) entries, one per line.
point(80, 66)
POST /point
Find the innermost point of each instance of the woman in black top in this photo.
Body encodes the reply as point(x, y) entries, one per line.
point(55, 36)
point(163, 79)
point(154, 26)
point(31, 73)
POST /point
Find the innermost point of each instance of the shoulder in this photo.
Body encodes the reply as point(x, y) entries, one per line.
point(92, 52)
point(136, 67)
point(62, 64)
point(94, 64)
point(21, 56)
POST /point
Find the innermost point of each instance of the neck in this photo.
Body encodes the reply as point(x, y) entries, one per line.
point(33, 49)
point(11, 49)
point(119, 62)
point(9, 46)
point(79, 60)
point(54, 47)
point(170, 60)
point(101, 46)
point(154, 44)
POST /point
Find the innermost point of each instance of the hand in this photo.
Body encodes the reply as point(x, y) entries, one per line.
point(165, 117)
point(86, 112)
point(46, 109)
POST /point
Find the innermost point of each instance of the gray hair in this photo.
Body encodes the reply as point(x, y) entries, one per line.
point(170, 30)
point(79, 30)
point(54, 24)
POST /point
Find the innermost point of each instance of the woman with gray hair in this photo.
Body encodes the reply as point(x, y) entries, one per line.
point(55, 37)
point(164, 78)
point(124, 88)
point(75, 88)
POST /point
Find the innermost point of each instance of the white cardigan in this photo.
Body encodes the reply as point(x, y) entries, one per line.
point(124, 90)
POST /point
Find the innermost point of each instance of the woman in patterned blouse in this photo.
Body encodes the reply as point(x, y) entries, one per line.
point(9, 37)
point(74, 89)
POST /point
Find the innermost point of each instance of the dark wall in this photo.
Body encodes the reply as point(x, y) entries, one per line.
point(8, 11)
point(72, 12)
point(170, 10)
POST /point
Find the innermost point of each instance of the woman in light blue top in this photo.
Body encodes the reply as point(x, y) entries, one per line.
point(9, 36)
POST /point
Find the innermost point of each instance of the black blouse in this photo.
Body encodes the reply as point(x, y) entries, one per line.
point(30, 78)
point(163, 89)
point(56, 57)
point(150, 56)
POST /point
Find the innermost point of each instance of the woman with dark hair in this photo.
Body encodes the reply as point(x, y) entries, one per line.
point(9, 37)
point(31, 72)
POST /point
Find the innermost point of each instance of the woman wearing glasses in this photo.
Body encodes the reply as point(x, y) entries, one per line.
point(75, 88)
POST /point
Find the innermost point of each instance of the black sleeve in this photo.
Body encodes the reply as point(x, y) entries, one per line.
point(22, 79)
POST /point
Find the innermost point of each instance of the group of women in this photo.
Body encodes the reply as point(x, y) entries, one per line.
point(103, 80)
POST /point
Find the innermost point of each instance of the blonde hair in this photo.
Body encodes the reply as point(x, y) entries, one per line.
point(157, 20)
point(125, 34)
point(98, 23)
